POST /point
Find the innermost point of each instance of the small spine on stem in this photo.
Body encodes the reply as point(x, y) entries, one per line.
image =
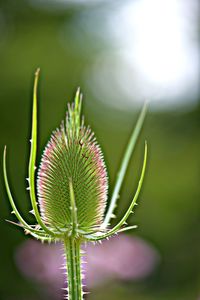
point(74, 277)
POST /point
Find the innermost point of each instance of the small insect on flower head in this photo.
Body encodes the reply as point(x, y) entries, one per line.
point(73, 158)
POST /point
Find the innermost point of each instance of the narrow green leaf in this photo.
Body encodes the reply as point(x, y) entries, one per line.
point(124, 165)
point(35, 233)
point(32, 160)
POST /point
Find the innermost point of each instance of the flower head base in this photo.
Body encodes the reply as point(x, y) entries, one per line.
point(72, 189)
point(72, 156)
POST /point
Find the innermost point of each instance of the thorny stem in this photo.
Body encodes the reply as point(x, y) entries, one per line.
point(74, 280)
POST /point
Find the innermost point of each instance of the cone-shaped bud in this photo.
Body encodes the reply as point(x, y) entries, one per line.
point(72, 156)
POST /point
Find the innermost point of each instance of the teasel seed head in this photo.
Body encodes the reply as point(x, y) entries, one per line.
point(72, 156)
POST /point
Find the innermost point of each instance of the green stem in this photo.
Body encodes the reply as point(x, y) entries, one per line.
point(72, 248)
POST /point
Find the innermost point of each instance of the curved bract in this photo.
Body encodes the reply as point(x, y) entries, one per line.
point(72, 189)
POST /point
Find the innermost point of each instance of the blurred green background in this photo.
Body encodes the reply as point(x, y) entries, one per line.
point(71, 44)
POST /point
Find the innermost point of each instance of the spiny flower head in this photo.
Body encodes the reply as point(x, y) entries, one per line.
point(72, 181)
point(72, 156)
point(72, 189)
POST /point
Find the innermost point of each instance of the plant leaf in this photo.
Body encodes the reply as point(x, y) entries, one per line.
point(124, 166)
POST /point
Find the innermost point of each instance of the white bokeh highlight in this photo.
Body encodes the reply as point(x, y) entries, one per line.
point(154, 54)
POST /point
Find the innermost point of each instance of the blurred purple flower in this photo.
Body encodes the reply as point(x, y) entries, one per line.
point(41, 263)
point(122, 257)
